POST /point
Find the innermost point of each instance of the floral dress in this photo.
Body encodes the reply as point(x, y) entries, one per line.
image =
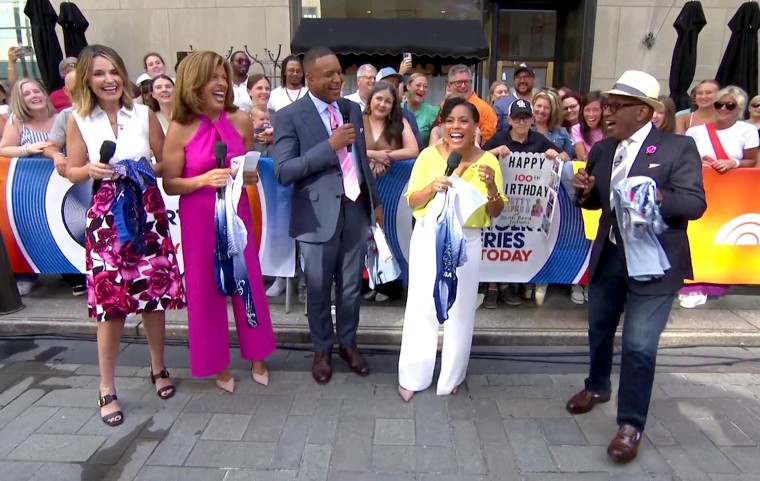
point(121, 278)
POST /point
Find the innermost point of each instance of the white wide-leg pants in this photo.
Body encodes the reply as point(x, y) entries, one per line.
point(419, 342)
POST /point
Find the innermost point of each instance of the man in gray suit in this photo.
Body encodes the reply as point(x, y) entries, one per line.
point(334, 200)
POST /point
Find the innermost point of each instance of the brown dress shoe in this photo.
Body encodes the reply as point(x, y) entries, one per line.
point(585, 401)
point(625, 445)
point(355, 360)
point(321, 367)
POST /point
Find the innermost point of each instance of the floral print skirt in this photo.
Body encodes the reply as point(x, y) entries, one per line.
point(121, 280)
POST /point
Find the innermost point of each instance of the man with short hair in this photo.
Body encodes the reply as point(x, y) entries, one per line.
point(240, 64)
point(334, 201)
point(634, 148)
point(60, 98)
point(365, 80)
point(524, 81)
point(460, 85)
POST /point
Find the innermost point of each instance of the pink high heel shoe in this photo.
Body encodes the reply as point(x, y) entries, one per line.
point(405, 394)
point(227, 386)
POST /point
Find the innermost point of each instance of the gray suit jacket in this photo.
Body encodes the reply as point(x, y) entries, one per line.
point(303, 157)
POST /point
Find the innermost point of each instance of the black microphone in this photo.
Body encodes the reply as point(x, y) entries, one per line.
point(220, 154)
point(345, 107)
point(452, 162)
point(107, 149)
point(579, 192)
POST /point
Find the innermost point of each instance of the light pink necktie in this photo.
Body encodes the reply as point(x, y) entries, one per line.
point(350, 180)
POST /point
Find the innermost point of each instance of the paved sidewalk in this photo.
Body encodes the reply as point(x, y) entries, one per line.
point(508, 423)
point(731, 320)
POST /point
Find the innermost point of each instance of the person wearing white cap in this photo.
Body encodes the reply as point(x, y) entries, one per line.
point(634, 148)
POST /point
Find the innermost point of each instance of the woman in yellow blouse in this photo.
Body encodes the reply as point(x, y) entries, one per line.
point(420, 337)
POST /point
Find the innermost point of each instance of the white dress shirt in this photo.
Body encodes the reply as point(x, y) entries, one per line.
point(354, 97)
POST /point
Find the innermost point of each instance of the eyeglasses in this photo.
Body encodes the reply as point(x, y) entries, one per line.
point(730, 106)
point(571, 107)
point(368, 77)
point(615, 106)
point(755, 106)
point(243, 61)
point(460, 83)
point(521, 120)
point(523, 77)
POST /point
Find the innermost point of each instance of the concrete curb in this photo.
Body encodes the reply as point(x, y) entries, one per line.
point(389, 336)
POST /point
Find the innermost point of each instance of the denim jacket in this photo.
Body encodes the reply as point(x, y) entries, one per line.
point(561, 137)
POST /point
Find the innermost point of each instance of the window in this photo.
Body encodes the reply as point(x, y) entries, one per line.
point(527, 35)
point(15, 30)
point(444, 9)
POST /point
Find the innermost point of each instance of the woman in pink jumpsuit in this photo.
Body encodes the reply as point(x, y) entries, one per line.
point(202, 115)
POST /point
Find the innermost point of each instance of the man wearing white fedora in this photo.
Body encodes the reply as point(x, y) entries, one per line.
point(634, 148)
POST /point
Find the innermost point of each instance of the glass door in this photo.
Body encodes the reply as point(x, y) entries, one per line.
point(527, 36)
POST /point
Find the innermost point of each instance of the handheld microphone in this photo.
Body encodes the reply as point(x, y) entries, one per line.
point(107, 150)
point(220, 154)
point(452, 162)
point(579, 192)
point(345, 107)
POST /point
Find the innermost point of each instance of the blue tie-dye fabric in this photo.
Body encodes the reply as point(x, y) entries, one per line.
point(451, 252)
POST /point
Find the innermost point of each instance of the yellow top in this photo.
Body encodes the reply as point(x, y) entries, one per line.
point(431, 164)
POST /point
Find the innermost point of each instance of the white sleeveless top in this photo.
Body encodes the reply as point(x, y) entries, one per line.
point(133, 128)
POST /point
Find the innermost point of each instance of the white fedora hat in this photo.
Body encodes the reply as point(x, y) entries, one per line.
point(639, 85)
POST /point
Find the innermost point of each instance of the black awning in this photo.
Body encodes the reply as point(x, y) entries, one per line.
point(450, 39)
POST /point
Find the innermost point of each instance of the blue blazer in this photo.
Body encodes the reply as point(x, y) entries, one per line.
point(303, 157)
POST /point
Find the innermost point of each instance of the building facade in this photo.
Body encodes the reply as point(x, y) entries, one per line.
point(581, 43)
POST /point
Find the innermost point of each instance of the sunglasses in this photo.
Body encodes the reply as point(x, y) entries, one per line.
point(755, 106)
point(613, 107)
point(730, 106)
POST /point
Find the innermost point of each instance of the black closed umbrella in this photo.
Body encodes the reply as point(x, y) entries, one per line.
point(74, 25)
point(47, 49)
point(688, 24)
point(739, 64)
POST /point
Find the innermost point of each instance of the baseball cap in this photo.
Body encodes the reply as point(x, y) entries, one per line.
point(67, 64)
point(386, 72)
point(520, 108)
point(523, 67)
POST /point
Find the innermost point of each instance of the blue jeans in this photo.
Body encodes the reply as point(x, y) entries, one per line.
point(645, 319)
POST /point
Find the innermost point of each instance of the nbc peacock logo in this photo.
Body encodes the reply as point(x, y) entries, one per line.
point(740, 231)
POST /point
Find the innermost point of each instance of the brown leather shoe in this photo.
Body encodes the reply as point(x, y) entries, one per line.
point(321, 367)
point(625, 445)
point(585, 401)
point(355, 360)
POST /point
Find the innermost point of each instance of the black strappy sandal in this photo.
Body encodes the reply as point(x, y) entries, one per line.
point(115, 418)
point(165, 392)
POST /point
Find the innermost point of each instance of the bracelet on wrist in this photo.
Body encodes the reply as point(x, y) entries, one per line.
point(495, 197)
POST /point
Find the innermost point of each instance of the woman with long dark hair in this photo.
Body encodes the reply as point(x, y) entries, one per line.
point(292, 84)
point(160, 100)
point(589, 129)
point(388, 135)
